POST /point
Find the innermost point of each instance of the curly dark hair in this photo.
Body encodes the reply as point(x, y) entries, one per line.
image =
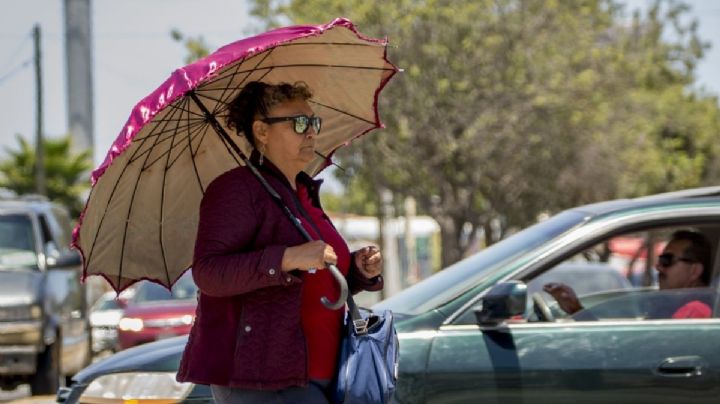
point(256, 99)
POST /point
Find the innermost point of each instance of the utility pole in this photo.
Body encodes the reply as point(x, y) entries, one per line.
point(78, 59)
point(39, 147)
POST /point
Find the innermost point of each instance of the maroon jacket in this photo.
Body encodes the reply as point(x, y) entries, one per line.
point(248, 331)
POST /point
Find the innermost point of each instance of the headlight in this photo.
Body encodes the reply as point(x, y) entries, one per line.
point(130, 324)
point(136, 388)
point(20, 313)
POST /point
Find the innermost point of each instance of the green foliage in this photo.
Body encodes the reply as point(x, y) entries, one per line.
point(65, 172)
point(350, 202)
point(512, 108)
point(197, 48)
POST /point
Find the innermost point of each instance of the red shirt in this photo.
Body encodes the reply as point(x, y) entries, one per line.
point(694, 309)
point(322, 327)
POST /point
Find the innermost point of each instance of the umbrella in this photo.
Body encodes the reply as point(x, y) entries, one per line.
point(141, 217)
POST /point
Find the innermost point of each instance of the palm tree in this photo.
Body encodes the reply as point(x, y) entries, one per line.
point(65, 171)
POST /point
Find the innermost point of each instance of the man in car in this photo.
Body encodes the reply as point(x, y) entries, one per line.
point(684, 263)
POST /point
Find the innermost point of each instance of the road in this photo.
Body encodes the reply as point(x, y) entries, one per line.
point(21, 396)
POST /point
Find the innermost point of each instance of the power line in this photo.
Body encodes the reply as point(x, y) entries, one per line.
point(15, 70)
point(14, 54)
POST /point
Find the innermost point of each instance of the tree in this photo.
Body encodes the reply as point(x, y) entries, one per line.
point(512, 108)
point(196, 47)
point(65, 171)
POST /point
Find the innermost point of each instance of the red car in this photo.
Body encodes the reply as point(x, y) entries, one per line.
point(155, 313)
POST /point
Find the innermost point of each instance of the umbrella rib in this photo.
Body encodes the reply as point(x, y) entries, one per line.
point(287, 45)
point(200, 117)
point(258, 68)
point(104, 215)
point(189, 138)
point(162, 197)
point(226, 74)
point(138, 156)
point(170, 150)
point(330, 66)
point(241, 83)
point(267, 53)
point(130, 206)
point(148, 163)
point(341, 111)
point(196, 122)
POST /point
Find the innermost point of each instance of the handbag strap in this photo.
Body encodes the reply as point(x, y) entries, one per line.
point(359, 323)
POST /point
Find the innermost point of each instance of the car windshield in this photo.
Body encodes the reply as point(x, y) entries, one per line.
point(457, 278)
point(17, 249)
point(183, 289)
point(106, 304)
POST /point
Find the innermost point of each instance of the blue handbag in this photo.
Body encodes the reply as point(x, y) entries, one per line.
point(368, 361)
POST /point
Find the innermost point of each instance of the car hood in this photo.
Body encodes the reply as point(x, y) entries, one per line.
point(19, 287)
point(160, 356)
point(164, 355)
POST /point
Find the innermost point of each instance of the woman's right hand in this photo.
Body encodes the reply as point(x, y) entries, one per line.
point(314, 254)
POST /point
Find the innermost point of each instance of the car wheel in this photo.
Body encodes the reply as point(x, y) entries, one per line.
point(46, 379)
point(541, 308)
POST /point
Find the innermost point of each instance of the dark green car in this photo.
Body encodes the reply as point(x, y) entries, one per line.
point(482, 331)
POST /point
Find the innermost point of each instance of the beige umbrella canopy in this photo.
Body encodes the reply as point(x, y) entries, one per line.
point(141, 218)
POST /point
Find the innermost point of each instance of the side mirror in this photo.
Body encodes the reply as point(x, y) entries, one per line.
point(501, 302)
point(70, 258)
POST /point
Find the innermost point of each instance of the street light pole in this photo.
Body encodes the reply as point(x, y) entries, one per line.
point(40, 187)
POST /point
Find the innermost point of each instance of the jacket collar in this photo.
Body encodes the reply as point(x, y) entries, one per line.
point(312, 185)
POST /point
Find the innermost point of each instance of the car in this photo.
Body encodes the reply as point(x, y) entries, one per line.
point(105, 314)
point(471, 333)
point(154, 312)
point(44, 327)
point(583, 277)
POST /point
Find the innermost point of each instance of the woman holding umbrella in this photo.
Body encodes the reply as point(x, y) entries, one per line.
point(261, 333)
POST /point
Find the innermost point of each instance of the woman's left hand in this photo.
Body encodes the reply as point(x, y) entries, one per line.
point(369, 261)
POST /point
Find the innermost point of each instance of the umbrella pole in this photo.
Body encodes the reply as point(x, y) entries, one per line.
point(226, 137)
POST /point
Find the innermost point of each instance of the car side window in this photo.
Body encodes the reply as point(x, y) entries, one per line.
point(50, 245)
point(652, 304)
point(61, 227)
point(611, 267)
point(613, 279)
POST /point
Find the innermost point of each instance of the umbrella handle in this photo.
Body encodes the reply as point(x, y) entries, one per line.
point(343, 290)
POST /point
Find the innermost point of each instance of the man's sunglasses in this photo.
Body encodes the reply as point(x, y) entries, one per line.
point(301, 123)
point(669, 259)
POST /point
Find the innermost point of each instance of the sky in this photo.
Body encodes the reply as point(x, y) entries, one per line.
point(134, 53)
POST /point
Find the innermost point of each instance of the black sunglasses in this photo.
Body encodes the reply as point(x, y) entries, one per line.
point(301, 123)
point(669, 259)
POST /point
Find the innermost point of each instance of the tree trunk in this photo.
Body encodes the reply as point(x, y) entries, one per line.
point(451, 249)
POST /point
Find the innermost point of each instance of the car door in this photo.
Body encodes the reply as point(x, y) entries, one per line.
point(658, 361)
